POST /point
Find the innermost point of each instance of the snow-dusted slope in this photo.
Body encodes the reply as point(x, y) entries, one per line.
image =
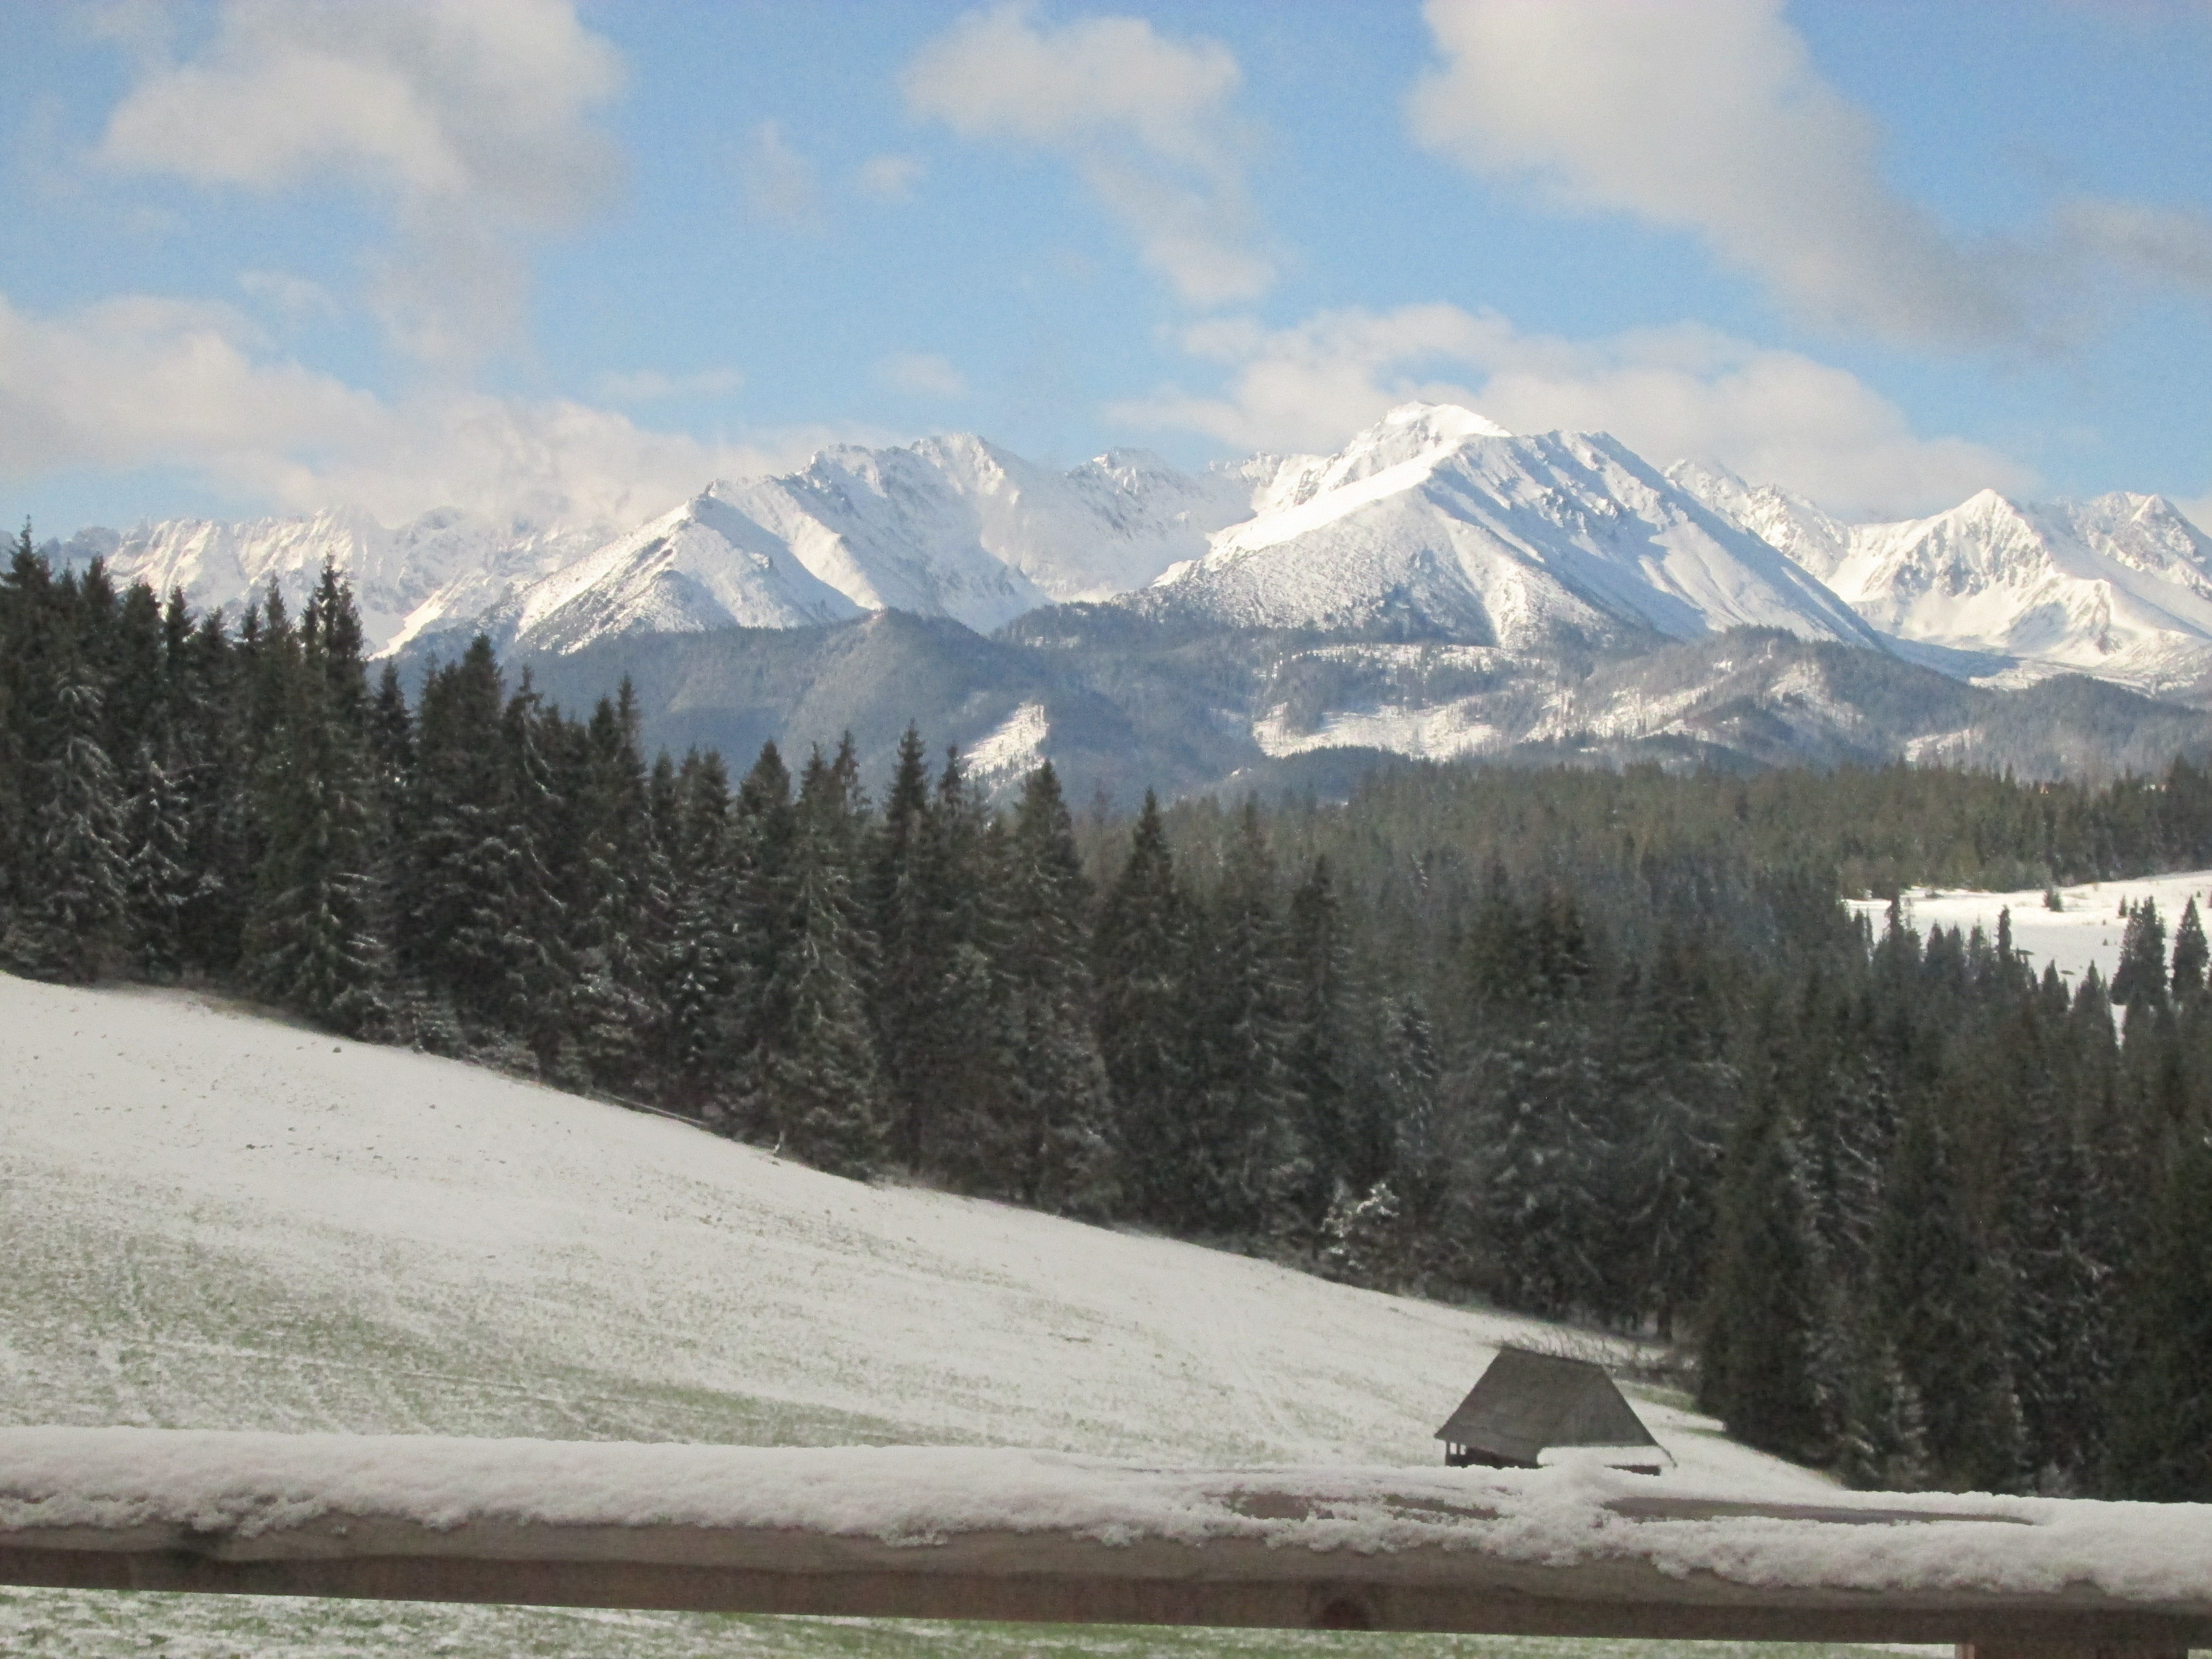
point(1110, 525)
point(443, 570)
point(704, 566)
point(1802, 529)
point(212, 1219)
point(1436, 521)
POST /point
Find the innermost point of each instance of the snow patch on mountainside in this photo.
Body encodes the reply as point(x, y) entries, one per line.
point(1012, 748)
point(1439, 732)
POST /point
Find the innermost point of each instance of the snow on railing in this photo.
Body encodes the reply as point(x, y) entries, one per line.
point(961, 1533)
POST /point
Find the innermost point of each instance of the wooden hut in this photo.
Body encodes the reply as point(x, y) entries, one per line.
point(1526, 1404)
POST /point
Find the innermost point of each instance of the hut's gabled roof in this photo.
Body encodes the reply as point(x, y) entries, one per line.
point(1525, 1402)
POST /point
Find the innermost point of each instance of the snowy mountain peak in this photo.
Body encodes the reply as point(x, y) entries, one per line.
point(1445, 421)
point(1432, 522)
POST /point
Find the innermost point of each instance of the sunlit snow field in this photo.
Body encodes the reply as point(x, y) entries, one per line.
point(211, 1218)
point(2088, 929)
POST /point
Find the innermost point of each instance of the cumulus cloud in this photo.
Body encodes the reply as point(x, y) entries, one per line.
point(889, 177)
point(1712, 119)
point(778, 182)
point(475, 122)
point(922, 375)
point(1145, 120)
point(138, 382)
point(1775, 416)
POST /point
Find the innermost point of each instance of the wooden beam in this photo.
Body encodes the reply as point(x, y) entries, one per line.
point(982, 1534)
point(1055, 1578)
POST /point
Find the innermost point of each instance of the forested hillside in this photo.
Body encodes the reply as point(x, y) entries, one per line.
point(1598, 1045)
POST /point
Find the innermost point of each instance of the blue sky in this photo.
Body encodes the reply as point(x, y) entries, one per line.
point(573, 260)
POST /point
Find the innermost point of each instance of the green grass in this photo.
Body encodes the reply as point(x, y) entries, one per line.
point(111, 1625)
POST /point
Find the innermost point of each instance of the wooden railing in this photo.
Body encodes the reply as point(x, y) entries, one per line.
point(1282, 1549)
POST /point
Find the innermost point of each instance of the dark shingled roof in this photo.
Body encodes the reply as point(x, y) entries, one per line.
point(1526, 1402)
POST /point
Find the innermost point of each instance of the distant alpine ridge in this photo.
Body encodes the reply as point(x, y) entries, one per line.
point(2119, 587)
point(1439, 586)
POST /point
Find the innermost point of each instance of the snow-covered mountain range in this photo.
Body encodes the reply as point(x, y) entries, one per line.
point(2119, 587)
point(1434, 524)
point(950, 527)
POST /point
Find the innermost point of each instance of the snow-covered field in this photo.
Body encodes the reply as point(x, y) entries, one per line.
point(2088, 929)
point(211, 1218)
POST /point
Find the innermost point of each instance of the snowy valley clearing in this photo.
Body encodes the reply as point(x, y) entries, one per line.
point(2088, 929)
point(214, 1219)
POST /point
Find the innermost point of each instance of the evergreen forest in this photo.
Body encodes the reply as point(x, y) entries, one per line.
point(1603, 1047)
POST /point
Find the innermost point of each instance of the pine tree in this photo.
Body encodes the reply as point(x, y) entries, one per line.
point(1758, 1360)
point(315, 939)
point(1055, 1085)
point(474, 918)
point(1145, 976)
point(157, 833)
point(1241, 1147)
point(2139, 979)
point(1346, 1134)
point(814, 1069)
point(710, 974)
point(1939, 1301)
point(618, 905)
point(2162, 1433)
point(78, 873)
point(2190, 953)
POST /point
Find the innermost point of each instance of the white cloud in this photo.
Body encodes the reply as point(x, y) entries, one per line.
point(139, 382)
point(295, 298)
point(474, 121)
point(778, 182)
point(1710, 117)
point(649, 386)
point(1775, 416)
point(889, 177)
point(922, 375)
point(1147, 121)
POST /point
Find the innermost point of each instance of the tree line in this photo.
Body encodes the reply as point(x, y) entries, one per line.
point(1603, 1047)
